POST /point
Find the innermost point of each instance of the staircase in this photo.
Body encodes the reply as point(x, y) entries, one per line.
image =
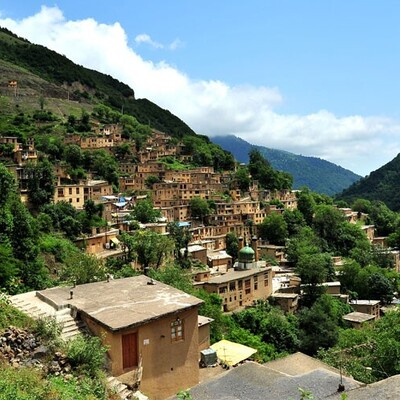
point(70, 326)
point(36, 308)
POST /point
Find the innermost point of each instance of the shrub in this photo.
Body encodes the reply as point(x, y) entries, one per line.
point(49, 330)
point(87, 354)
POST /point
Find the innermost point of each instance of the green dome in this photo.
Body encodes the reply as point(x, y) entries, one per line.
point(246, 254)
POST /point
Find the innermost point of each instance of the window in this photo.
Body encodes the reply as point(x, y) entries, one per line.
point(177, 330)
point(240, 284)
point(247, 286)
point(266, 280)
point(222, 289)
point(232, 286)
point(70, 190)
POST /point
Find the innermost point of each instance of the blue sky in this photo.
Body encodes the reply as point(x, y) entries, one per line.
point(313, 77)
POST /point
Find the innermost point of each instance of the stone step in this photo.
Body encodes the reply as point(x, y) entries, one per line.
point(68, 323)
point(125, 394)
point(138, 395)
point(119, 388)
point(72, 333)
point(71, 328)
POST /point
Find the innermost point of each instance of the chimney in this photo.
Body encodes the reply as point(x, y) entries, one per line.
point(254, 245)
point(241, 242)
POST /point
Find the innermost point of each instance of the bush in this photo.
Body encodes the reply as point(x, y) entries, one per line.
point(87, 354)
point(49, 330)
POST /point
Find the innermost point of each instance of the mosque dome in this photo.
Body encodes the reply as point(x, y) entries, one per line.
point(246, 255)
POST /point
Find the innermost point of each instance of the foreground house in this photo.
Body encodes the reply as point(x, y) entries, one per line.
point(151, 330)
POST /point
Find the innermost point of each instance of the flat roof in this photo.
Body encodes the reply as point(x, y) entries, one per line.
point(231, 275)
point(220, 255)
point(285, 295)
point(201, 320)
point(364, 302)
point(358, 317)
point(122, 303)
point(194, 248)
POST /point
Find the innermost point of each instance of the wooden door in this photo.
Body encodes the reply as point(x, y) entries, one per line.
point(129, 350)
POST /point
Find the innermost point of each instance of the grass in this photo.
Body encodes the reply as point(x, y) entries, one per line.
point(174, 164)
point(29, 384)
point(10, 316)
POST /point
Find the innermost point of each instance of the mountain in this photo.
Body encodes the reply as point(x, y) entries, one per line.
point(41, 72)
point(319, 175)
point(382, 184)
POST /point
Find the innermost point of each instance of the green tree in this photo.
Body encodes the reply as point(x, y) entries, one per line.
point(370, 283)
point(313, 270)
point(174, 276)
point(151, 249)
point(369, 354)
point(181, 237)
point(40, 183)
point(9, 266)
point(122, 151)
point(232, 245)
point(327, 222)
point(199, 208)
point(318, 326)
point(306, 205)
point(151, 180)
point(271, 325)
point(7, 185)
point(128, 246)
point(103, 165)
point(241, 179)
point(73, 155)
point(383, 218)
point(305, 242)
point(350, 238)
point(294, 220)
point(23, 236)
point(274, 229)
point(82, 268)
point(145, 212)
point(64, 218)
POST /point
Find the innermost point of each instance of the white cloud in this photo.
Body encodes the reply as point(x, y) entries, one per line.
point(144, 38)
point(213, 107)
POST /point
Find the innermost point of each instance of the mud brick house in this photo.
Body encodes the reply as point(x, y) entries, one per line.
point(151, 329)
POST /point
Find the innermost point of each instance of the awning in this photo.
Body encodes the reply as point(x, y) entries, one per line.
point(115, 241)
point(231, 353)
point(123, 204)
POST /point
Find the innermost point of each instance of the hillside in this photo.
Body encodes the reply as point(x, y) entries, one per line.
point(43, 72)
point(382, 184)
point(319, 175)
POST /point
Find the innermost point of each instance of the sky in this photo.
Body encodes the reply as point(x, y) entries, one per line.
point(317, 78)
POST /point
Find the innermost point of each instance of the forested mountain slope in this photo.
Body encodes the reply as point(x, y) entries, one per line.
point(382, 184)
point(319, 175)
